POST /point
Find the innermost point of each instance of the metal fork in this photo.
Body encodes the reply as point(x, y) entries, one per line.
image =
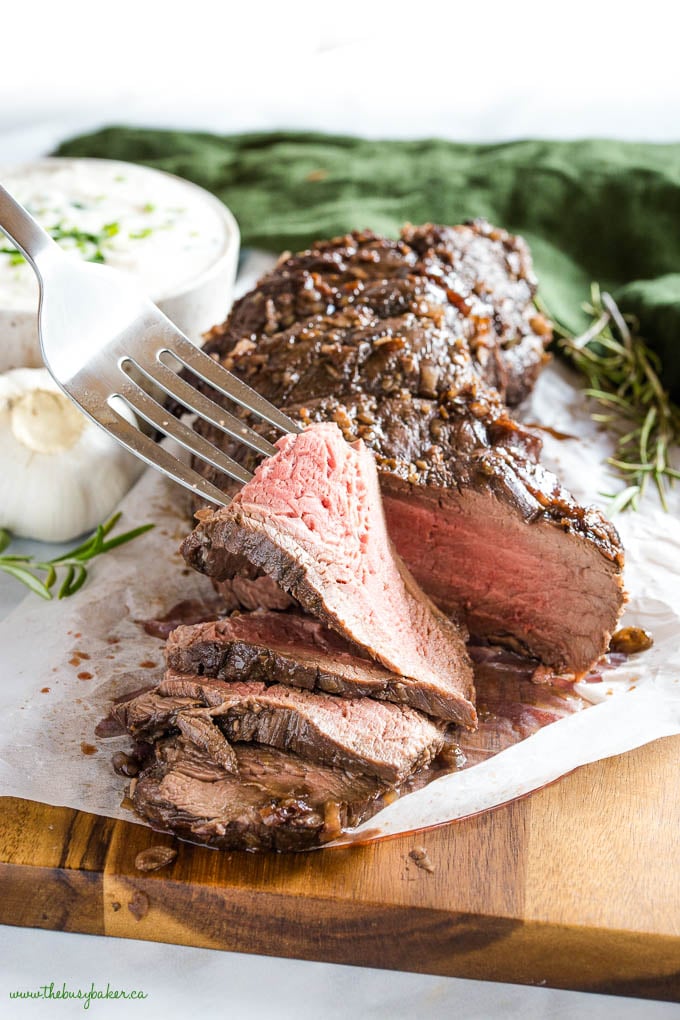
point(104, 341)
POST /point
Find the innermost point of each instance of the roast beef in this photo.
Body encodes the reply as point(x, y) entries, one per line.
point(149, 716)
point(281, 801)
point(386, 339)
point(278, 801)
point(485, 529)
point(375, 738)
point(312, 519)
point(399, 344)
point(362, 312)
point(297, 650)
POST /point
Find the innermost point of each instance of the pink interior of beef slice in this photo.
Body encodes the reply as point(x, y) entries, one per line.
point(312, 519)
point(296, 650)
point(544, 591)
point(380, 739)
point(485, 529)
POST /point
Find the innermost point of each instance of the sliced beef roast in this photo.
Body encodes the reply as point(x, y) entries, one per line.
point(398, 341)
point(296, 650)
point(277, 801)
point(312, 519)
point(487, 531)
point(377, 738)
point(410, 346)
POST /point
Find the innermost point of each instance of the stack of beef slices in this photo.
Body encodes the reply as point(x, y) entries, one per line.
point(358, 589)
point(278, 730)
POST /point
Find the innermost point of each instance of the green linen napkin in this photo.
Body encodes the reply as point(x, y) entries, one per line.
point(591, 210)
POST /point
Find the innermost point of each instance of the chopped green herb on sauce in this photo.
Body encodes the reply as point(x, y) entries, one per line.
point(101, 214)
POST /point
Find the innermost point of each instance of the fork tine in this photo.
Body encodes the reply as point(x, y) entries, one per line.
point(157, 416)
point(209, 371)
point(176, 387)
point(158, 457)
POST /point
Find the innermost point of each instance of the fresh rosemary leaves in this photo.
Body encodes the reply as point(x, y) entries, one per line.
point(29, 571)
point(623, 378)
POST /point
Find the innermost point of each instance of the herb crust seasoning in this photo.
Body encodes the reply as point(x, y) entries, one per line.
point(125, 216)
point(362, 313)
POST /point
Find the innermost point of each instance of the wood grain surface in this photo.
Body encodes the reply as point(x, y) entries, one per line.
point(577, 886)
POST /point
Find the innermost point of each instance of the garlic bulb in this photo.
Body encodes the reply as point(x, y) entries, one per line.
point(60, 474)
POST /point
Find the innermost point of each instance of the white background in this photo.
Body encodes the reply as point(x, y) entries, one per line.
point(468, 71)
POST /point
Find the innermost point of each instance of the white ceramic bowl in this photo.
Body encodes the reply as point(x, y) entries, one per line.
point(194, 301)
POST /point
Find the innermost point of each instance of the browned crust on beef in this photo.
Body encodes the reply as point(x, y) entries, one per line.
point(363, 313)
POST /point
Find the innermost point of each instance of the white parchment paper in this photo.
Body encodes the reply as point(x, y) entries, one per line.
point(62, 662)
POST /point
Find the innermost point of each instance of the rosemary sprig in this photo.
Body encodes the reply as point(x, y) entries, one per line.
point(623, 379)
point(29, 571)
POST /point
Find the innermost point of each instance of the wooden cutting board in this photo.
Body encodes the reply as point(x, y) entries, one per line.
point(577, 886)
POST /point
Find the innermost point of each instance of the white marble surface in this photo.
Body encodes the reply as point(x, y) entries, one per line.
point(183, 982)
point(488, 72)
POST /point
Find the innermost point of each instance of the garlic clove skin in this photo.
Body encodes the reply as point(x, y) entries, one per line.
point(60, 474)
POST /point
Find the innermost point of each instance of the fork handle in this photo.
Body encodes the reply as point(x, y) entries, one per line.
point(20, 227)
